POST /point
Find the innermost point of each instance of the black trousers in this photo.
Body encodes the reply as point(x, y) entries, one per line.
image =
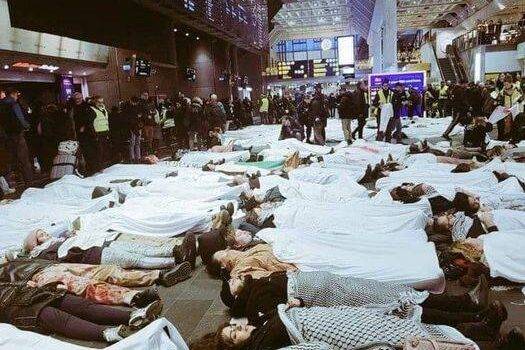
point(361, 122)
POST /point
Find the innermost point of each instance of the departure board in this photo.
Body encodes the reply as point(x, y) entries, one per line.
point(307, 69)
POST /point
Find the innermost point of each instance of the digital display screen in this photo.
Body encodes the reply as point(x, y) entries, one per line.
point(346, 50)
point(307, 69)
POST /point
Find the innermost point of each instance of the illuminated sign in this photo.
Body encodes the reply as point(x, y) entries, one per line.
point(32, 66)
point(345, 46)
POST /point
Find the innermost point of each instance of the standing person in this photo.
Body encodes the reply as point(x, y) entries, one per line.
point(101, 127)
point(399, 100)
point(508, 98)
point(248, 108)
point(132, 119)
point(196, 123)
point(239, 114)
point(443, 96)
point(50, 133)
point(14, 123)
point(119, 131)
point(361, 108)
point(82, 119)
point(499, 26)
point(303, 113)
point(182, 121)
point(381, 100)
point(347, 109)
point(414, 103)
point(332, 104)
point(264, 106)
point(319, 115)
point(460, 107)
point(216, 114)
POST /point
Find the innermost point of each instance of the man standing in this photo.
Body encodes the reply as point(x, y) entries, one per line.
point(101, 127)
point(381, 100)
point(443, 99)
point(399, 99)
point(263, 109)
point(83, 118)
point(460, 105)
point(346, 111)
point(319, 115)
point(15, 125)
point(361, 108)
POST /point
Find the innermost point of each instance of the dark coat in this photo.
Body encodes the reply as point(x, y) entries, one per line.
point(12, 118)
point(271, 335)
point(347, 106)
point(20, 305)
point(22, 269)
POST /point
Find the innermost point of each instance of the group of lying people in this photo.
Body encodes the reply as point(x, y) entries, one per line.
point(57, 284)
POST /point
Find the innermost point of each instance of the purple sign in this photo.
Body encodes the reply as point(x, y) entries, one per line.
point(67, 87)
point(416, 80)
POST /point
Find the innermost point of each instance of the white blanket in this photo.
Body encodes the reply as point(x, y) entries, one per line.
point(403, 258)
point(152, 337)
point(504, 254)
point(356, 216)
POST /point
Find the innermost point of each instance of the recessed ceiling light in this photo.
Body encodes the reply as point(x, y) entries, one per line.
point(187, 34)
point(198, 38)
point(6, 66)
point(175, 30)
point(30, 69)
point(70, 72)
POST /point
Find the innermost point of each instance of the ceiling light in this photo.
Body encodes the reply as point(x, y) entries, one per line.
point(70, 72)
point(6, 66)
point(175, 30)
point(198, 38)
point(187, 34)
point(30, 69)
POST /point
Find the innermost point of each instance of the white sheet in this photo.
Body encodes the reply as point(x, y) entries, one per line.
point(401, 259)
point(504, 254)
point(355, 216)
point(152, 337)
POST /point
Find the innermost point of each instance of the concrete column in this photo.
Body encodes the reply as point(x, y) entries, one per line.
point(374, 42)
point(390, 36)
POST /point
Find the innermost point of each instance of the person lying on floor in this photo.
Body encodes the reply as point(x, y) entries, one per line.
point(50, 311)
point(458, 226)
point(258, 261)
point(411, 193)
point(506, 195)
point(126, 251)
point(256, 298)
point(339, 327)
point(105, 284)
point(454, 155)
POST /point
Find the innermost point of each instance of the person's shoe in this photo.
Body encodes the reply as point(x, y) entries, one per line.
point(145, 297)
point(479, 295)
point(230, 208)
point(179, 273)
point(376, 172)
point(116, 334)
point(514, 340)
point(390, 158)
point(144, 316)
point(189, 249)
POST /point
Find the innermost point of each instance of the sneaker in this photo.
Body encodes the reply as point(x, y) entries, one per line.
point(116, 334)
point(144, 316)
point(145, 297)
point(177, 274)
point(189, 249)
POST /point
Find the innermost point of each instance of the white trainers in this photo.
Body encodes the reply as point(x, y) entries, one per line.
point(144, 316)
point(116, 334)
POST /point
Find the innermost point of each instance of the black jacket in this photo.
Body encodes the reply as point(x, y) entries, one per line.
point(12, 118)
point(347, 106)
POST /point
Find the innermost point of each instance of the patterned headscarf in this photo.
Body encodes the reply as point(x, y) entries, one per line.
point(461, 226)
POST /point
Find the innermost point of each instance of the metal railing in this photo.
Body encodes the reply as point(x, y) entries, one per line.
point(505, 34)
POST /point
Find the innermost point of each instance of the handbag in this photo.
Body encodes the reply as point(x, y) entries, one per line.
point(416, 343)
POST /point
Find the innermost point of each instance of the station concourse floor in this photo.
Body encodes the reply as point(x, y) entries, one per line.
point(195, 308)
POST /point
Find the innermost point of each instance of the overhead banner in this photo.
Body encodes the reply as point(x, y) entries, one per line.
point(416, 80)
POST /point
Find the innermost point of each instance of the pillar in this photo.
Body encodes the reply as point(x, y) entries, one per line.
point(390, 36)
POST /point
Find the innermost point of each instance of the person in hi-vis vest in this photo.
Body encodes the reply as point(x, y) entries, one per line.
point(101, 126)
point(382, 97)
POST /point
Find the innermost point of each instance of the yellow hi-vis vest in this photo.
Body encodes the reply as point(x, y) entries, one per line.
point(101, 122)
point(384, 99)
point(443, 92)
point(264, 105)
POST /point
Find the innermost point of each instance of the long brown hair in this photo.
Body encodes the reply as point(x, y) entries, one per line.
point(213, 341)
